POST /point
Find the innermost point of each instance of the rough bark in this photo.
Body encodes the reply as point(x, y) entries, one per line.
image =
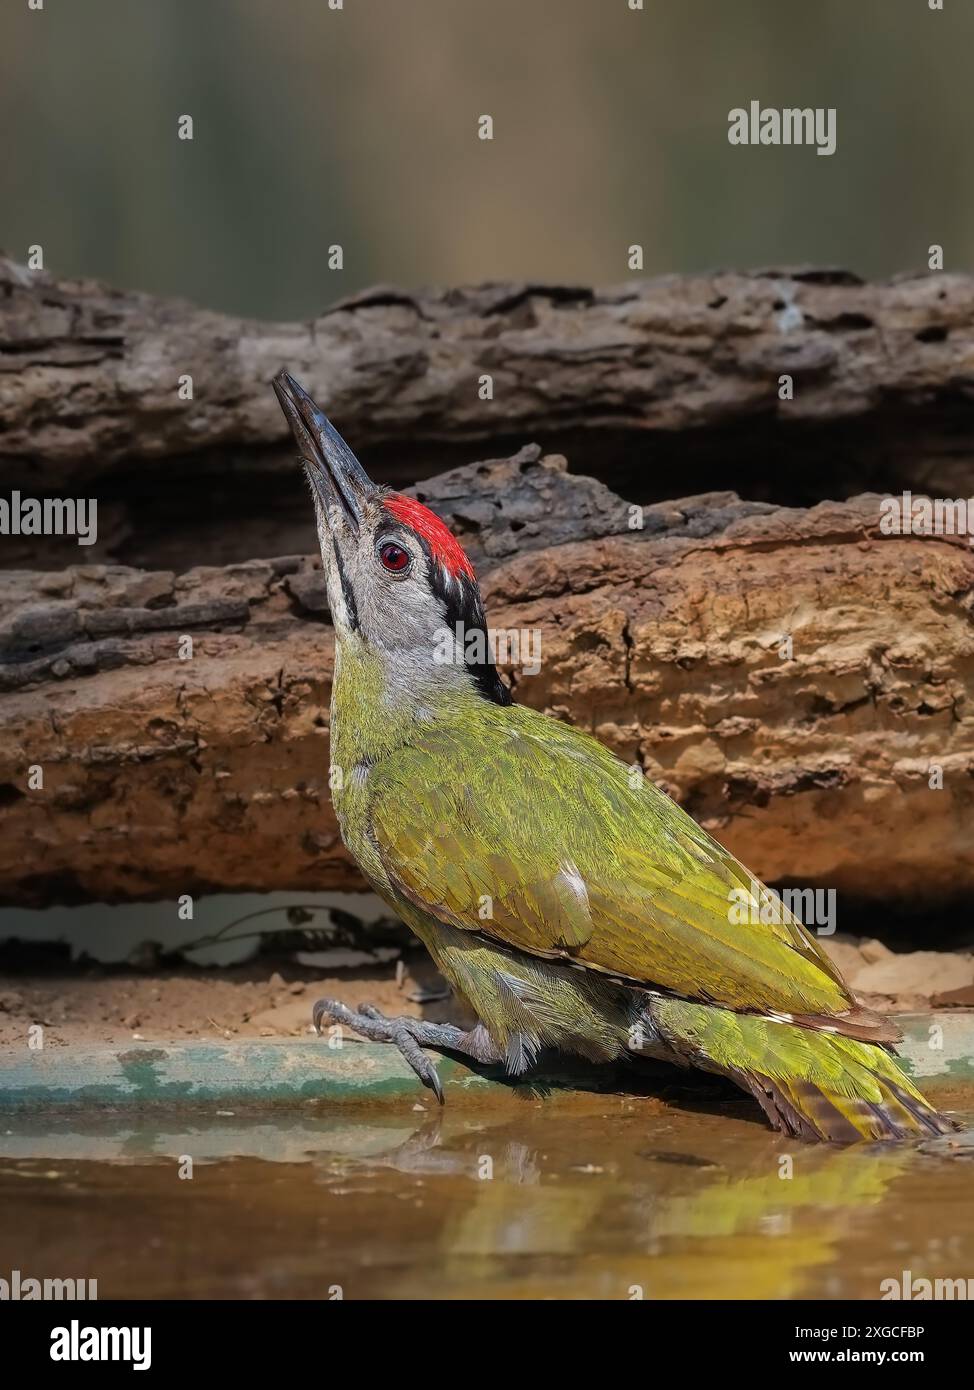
point(89, 374)
point(165, 776)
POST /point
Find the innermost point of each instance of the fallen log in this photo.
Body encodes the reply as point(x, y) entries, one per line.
point(796, 679)
point(91, 376)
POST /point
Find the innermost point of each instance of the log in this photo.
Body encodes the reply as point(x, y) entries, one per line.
point(166, 774)
point(90, 374)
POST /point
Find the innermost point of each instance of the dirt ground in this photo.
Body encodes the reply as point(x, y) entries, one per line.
point(257, 1000)
point(274, 998)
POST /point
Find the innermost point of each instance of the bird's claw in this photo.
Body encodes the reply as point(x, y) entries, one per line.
point(374, 1025)
point(321, 1008)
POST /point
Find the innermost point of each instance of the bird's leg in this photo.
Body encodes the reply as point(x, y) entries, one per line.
point(411, 1035)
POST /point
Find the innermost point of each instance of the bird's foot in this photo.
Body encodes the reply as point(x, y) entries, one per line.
point(410, 1035)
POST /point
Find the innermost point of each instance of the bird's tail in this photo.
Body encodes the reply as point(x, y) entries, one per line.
point(809, 1083)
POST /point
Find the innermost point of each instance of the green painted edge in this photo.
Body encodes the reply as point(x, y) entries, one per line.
point(201, 1073)
point(937, 1050)
point(938, 1047)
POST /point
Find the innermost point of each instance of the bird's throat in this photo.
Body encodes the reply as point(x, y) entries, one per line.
point(381, 700)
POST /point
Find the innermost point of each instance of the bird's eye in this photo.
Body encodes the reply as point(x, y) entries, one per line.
point(394, 558)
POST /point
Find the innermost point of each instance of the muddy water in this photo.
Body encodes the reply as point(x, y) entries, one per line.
point(577, 1196)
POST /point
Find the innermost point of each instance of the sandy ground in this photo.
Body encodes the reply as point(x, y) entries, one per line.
point(275, 999)
point(256, 1000)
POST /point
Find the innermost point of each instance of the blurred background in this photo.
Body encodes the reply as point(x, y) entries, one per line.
point(358, 126)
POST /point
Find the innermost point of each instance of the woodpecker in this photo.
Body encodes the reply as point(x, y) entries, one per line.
point(572, 907)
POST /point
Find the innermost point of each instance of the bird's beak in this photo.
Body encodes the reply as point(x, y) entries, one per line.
point(335, 473)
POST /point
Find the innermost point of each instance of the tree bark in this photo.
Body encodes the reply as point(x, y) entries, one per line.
point(90, 375)
point(793, 677)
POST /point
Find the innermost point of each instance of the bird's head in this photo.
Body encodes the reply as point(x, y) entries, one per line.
point(398, 580)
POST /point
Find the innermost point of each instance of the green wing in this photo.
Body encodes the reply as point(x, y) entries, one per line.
point(531, 833)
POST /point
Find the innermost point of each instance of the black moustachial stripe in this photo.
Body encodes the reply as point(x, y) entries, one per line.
point(351, 607)
point(462, 603)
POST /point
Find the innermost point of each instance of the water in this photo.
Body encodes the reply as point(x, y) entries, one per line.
point(566, 1196)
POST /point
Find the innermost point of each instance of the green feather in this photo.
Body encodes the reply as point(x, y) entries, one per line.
point(579, 863)
point(576, 907)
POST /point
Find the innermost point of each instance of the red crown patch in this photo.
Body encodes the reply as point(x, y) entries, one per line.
point(442, 542)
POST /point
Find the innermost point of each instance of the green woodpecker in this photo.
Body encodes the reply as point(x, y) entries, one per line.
point(571, 906)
